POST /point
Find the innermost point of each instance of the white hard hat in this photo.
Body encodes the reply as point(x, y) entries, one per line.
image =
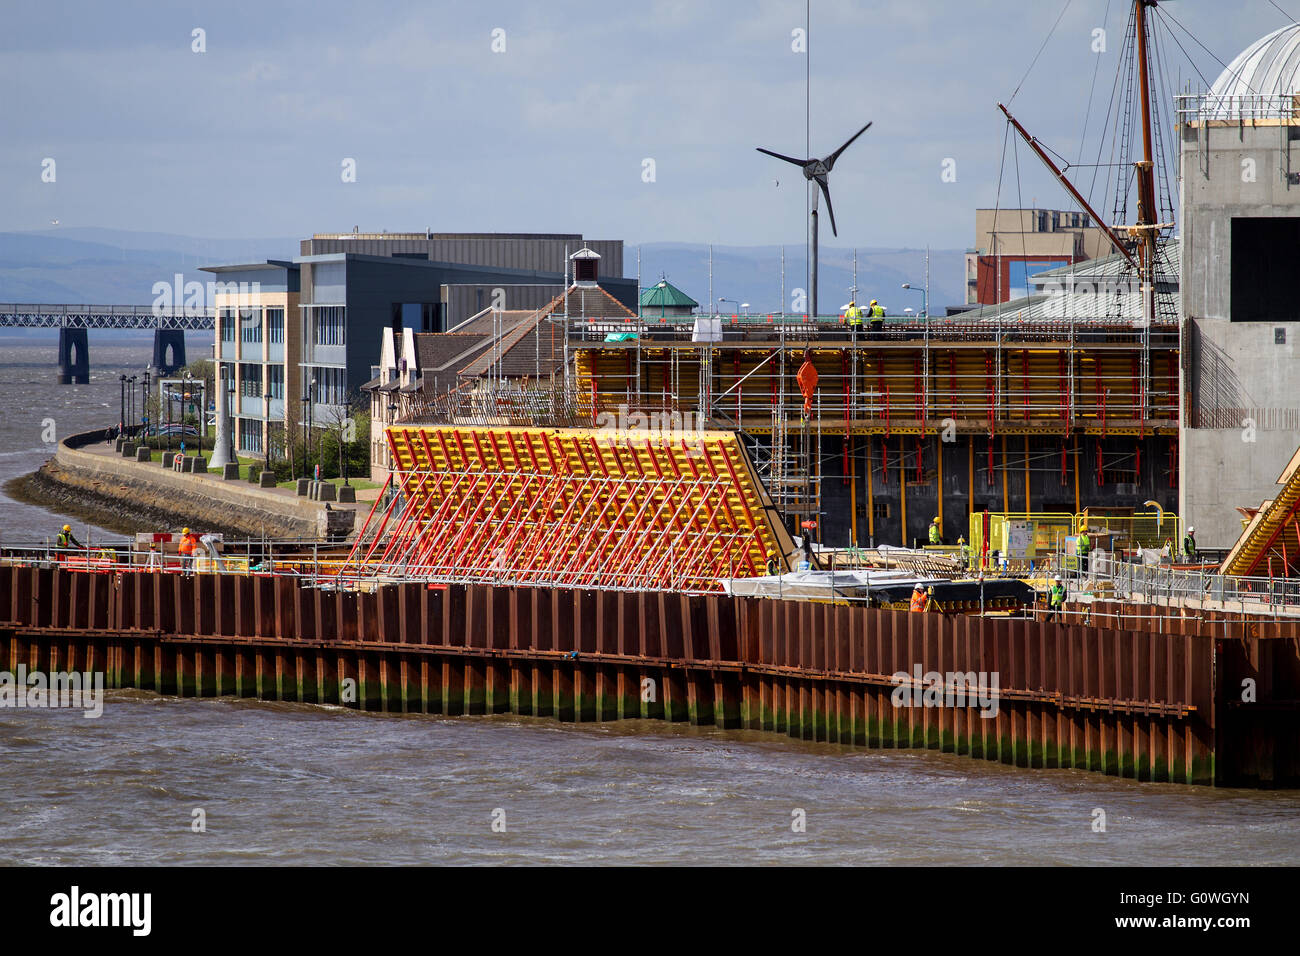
point(1190, 529)
point(1057, 578)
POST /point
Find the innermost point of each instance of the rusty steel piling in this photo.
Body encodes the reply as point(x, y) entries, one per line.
point(1129, 690)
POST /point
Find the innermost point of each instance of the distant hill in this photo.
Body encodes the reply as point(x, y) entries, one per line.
point(93, 265)
point(753, 274)
point(113, 267)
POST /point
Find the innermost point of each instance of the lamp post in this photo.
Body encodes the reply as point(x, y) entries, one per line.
point(130, 401)
point(306, 405)
point(144, 399)
point(169, 416)
point(266, 430)
point(723, 298)
point(925, 298)
point(230, 400)
point(121, 417)
point(311, 399)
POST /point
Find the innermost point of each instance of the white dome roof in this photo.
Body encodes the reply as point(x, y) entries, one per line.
point(1268, 67)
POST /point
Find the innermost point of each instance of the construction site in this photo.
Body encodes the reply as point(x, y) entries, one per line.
point(745, 505)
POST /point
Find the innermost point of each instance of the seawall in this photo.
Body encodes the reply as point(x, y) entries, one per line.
point(145, 496)
point(1133, 693)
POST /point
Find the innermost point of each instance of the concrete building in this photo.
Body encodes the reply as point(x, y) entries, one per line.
point(257, 343)
point(1011, 245)
point(1240, 301)
point(469, 371)
point(348, 287)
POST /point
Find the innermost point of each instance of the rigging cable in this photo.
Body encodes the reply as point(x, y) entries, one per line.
point(1096, 68)
point(1174, 20)
point(1040, 51)
point(1283, 12)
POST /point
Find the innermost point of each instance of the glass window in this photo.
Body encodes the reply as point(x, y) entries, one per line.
point(227, 323)
point(275, 326)
point(275, 381)
point(250, 380)
point(250, 326)
point(331, 385)
point(327, 325)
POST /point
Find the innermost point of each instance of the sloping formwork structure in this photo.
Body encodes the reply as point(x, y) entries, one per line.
point(1270, 542)
point(573, 507)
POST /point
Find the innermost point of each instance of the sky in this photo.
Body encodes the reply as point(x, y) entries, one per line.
point(634, 120)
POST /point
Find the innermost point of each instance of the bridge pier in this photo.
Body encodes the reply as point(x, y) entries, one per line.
point(74, 356)
point(168, 350)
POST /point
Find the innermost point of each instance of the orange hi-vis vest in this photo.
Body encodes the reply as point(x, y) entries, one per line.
point(189, 544)
point(919, 600)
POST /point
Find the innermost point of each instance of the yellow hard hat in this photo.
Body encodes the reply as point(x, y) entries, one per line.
point(935, 521)
point(852, 303)
point(874, 302)
point(185, 530)
point(67, 527)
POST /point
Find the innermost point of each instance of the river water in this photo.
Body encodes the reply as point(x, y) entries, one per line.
point(287, 783)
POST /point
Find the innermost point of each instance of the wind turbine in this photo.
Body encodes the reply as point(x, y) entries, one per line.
point(818, 171)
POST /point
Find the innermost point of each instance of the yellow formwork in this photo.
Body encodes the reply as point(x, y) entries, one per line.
point(585, 507)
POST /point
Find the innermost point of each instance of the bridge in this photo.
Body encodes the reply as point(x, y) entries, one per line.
point(73, 322)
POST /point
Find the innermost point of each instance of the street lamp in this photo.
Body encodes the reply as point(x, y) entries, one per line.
point(311, 396)
point(925, 298)
point(144, 399)
point(266, 429)
point(745, 307)
point(121, 417)
point(306, 403)
point(723, 298)
point(130, 403)
point(230, 406)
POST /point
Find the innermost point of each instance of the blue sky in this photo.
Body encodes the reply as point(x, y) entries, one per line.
point(248, 138)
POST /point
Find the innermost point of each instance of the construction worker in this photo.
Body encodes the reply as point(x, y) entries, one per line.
point(773, 564)
point(1056, 597)
point(877, 316)
point(963, 552)
point(936, 531)
point(65, 539)
point(1189, 543)
point(188, 548)
point(854, 316)
point(1082, 546)
point(920, 599)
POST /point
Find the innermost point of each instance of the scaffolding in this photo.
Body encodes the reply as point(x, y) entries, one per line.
point(918, 377)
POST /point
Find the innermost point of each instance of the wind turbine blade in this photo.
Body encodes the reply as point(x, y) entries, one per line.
point(826, 191)
point(788, 159)
point(830, 160)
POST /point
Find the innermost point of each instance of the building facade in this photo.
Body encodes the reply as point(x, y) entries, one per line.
point(1011, 245)
point(258, 339)
point(306, 368)
point(1241, 315)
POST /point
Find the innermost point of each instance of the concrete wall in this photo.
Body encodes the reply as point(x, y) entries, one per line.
point(1241, 420)
point(199, 500)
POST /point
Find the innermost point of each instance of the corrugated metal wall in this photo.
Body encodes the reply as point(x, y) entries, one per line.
point(506, 251)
